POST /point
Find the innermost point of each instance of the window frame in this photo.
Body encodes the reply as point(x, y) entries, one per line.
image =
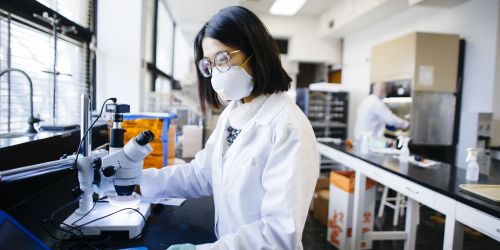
point(152, 66)
point(22, 12)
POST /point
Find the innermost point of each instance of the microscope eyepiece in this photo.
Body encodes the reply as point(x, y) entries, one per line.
point(145, 137)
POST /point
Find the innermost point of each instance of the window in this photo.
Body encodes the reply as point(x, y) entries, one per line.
point(31, 49)
point(164, 42)
point(75, 10)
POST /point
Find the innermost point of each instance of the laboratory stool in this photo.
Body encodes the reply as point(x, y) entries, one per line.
point(398, 206)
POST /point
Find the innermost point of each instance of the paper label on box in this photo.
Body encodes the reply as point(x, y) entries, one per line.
point(426, 75)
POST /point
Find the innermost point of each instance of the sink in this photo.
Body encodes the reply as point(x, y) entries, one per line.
point(13, 135)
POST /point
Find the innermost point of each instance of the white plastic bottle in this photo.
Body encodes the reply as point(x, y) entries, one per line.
point(365, 143)
point(472, 172)
point(404, 155)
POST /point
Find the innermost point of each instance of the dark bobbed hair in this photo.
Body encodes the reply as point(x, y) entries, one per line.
point(238, 27)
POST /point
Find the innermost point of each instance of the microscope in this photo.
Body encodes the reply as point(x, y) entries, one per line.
point(113, 176)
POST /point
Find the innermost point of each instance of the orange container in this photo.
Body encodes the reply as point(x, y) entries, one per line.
point(164, 142)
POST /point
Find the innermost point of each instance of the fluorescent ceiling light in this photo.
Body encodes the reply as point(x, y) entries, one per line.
point(286, 7)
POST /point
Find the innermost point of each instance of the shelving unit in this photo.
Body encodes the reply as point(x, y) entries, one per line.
point(327, 111)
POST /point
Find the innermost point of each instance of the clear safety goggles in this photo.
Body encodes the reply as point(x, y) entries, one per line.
point(222, 62)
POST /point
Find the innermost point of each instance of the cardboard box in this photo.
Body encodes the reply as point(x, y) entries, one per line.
point(320, 212)
point(340, 209)
point(323, 183)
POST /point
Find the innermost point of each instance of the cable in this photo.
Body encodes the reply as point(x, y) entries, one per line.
point(84, 240)
point(87, 131)
point(105, 216)
point(51, 220)
point(83, 216)
point(52, 215)
point(91, 241)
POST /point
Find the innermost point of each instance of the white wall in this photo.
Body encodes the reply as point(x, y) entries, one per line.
point(495, 134)
point(304, 42)
point(475, 21)
point(183, 56)
point(120, 51)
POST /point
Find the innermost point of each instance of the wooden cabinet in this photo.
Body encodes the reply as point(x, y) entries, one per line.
point(429, 60)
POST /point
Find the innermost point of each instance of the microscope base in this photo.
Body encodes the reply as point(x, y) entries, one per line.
point(127, 223)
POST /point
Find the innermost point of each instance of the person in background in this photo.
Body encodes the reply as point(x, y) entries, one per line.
point(373, 114)
point(261, 163)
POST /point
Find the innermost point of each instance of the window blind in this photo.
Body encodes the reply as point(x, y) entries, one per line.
point(30, 48)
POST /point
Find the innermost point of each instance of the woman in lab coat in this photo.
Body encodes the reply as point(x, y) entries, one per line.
point(261, 161)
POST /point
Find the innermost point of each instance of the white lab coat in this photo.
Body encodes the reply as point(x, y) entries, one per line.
point(372, 117)
point(262, 188)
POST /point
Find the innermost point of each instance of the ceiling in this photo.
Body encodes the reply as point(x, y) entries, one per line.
point(310, 8)
point(190, 15)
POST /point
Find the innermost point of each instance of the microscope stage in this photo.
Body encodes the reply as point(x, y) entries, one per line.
point(127, 222)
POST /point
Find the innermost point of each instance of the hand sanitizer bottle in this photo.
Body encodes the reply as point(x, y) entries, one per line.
point(472, 172)
point(404, 156)
point(365, 143)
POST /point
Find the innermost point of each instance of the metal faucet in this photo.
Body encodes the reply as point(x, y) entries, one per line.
point(32, 120)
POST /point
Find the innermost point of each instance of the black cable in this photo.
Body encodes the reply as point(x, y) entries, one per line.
point(105, 216)
point(52, 215)
point(84, 240)
point(88, 129)
point(93, 206)
point(83, 216)
point(48, 231)
point(92, 240)
point(51, 220)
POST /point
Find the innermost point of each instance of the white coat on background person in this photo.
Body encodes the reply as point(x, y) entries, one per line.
point(373, 114)
point(261, 162)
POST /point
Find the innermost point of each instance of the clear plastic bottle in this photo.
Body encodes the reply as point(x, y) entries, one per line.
point(472, 172)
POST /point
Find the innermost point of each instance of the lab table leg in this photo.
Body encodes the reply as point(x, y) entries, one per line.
point(411, 224)
point(357, 220)
point(453, 234)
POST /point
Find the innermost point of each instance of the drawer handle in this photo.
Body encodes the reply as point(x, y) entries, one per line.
point(412, 190)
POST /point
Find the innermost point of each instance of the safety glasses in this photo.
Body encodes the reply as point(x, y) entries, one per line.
point(221, 61)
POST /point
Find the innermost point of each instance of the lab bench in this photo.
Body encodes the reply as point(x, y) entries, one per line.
point(31, 200)
point(436, 187)
point(38, 148)
point(192, 222)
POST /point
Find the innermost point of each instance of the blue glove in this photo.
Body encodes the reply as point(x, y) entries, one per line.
point(182, 247)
